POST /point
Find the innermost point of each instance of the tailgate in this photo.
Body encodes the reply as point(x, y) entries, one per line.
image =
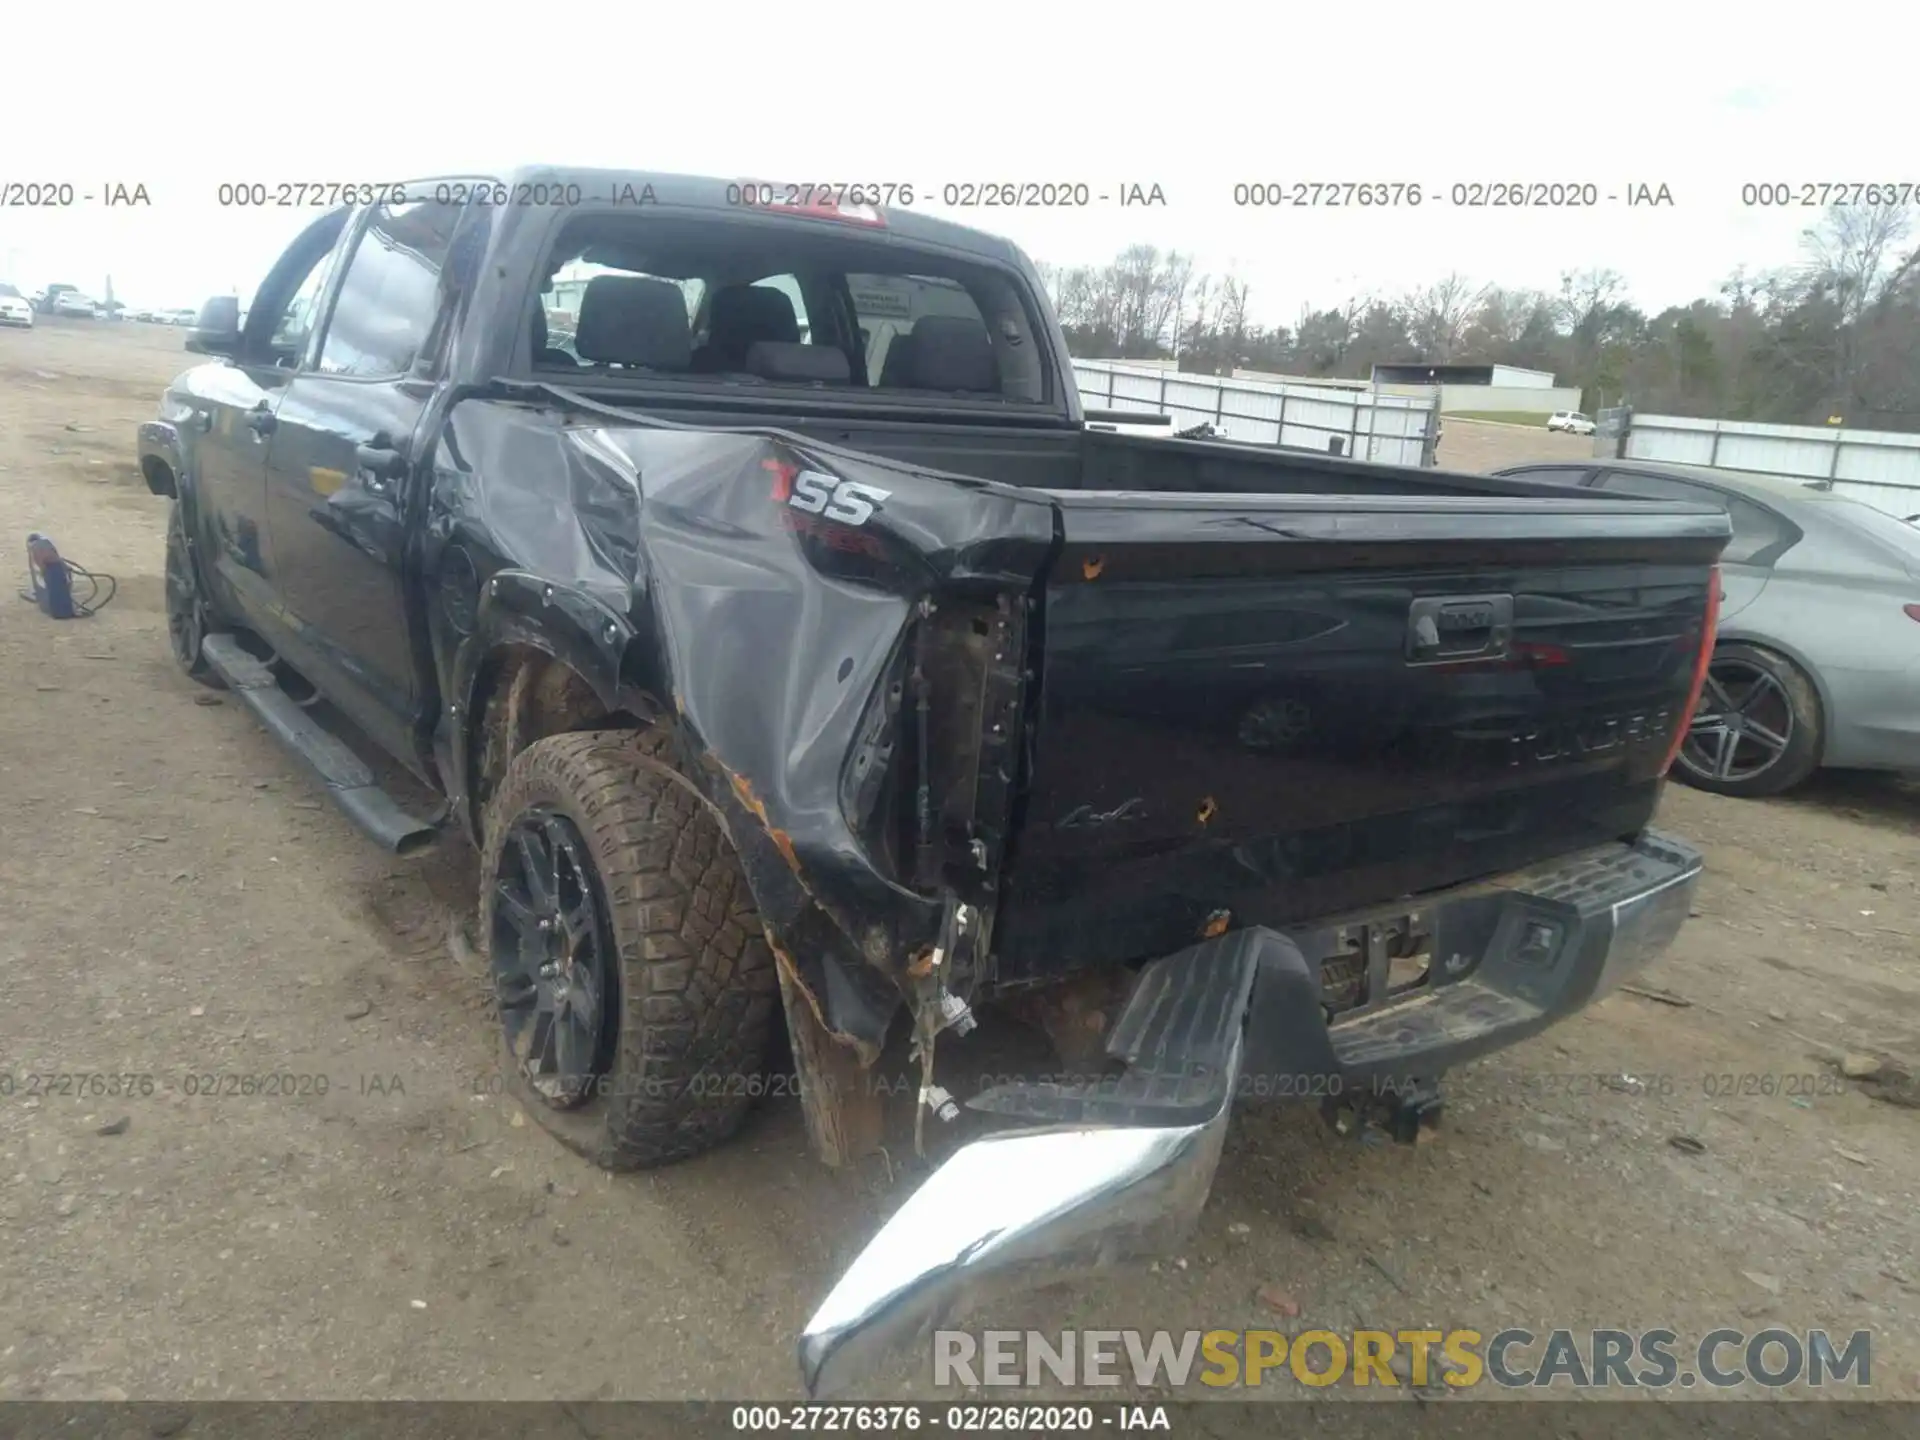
point(1262, 710)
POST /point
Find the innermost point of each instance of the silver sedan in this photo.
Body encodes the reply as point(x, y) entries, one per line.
point(1818, 657)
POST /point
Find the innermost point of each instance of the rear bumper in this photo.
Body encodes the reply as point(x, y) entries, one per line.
point(1123, 1165)
point(1875, 717)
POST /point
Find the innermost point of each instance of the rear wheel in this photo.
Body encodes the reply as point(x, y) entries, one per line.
point(187, 614)
point(1757, 728)
point(635, 986)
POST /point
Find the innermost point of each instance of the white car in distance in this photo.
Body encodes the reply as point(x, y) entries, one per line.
point(15, 309)
point(1570, 421)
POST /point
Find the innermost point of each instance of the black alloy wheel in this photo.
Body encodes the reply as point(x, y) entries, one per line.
point(551, 955)
point(186, 608)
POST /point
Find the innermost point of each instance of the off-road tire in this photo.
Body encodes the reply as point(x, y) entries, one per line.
point(695, 992)
point(1802, 754)
point(189, 617)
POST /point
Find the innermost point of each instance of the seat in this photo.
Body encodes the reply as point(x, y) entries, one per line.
point(544, 351)
point(896, 370)
point(946, 352)
point(806, 364)
point(739, 317)
point(634, 321)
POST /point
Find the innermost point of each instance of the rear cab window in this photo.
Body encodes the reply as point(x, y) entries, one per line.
point(692, 303)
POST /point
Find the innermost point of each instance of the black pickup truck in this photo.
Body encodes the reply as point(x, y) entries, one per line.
point(740, 571)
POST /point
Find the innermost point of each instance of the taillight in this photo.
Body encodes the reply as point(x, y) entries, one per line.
point(1913, 611)
point(1709, 623)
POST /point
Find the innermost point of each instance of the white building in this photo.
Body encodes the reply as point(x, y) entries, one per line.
point(1496, 389)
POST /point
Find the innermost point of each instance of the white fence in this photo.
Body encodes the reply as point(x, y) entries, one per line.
point(1876, 466)
point(1390, 429)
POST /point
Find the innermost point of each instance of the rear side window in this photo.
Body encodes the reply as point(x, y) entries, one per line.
point(1760, 537)
point(1659, 487)
point(1550, 474)
point(391, 291)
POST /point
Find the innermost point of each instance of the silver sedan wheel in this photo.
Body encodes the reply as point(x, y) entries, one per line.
point(1743, 725)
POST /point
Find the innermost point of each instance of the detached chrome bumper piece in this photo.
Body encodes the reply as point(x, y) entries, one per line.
point(1123, 1167)
point(1121, 1171)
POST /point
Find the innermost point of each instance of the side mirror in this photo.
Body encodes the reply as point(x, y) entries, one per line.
point(217, 329)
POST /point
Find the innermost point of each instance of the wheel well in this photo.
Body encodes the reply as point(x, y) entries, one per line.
point(158, 474)
point(523, 695)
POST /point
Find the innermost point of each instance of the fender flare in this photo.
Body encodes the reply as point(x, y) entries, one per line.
point(617, 662)
point(516, 608)
point(160, 439)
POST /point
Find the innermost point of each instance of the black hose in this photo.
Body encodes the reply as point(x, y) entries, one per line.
point(95, 602)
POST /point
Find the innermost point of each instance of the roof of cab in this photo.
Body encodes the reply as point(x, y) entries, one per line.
point(706, 192)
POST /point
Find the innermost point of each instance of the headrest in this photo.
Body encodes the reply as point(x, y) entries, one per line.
point(896, 371)
point(744, 313)
point(634, 320)
point(952, 352)
point(771, 360)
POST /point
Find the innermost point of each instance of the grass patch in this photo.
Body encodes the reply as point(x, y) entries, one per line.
point(1504, 417)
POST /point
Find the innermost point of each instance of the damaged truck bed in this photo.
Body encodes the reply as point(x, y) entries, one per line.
point(739, 571)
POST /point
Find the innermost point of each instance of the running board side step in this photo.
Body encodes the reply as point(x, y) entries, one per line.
point(348, 781)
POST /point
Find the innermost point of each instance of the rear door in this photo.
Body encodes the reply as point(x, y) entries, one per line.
point(340, 458)
point(1260, 710)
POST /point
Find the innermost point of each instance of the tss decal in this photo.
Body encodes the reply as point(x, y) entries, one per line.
point(813, 493)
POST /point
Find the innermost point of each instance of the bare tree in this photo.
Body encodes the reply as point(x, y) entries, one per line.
point(1852, 251)
point(1323, 338)
point(1585, 295)
point(1852, 267)
point(1233, 314)
point(1843, 328)
point(1437, 315)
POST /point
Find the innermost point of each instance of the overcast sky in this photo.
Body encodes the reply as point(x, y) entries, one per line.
point(1194, 98)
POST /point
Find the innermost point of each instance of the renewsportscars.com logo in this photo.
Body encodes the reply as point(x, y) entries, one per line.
point(1655, 1359)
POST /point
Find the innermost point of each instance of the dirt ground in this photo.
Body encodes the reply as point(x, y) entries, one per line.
point(178, 901)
